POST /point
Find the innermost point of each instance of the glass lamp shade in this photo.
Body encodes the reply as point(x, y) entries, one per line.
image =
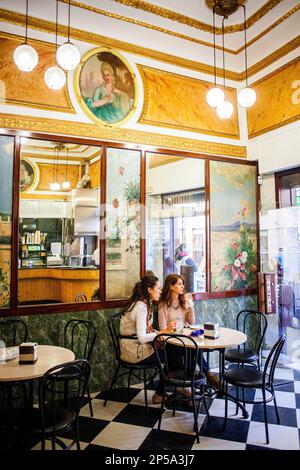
point(225, 110)
point(55, 186)
point(55, 78)
point(215, 96)
point(247, 97)
point(68, 56)
point(66, 185)
point(25, 57)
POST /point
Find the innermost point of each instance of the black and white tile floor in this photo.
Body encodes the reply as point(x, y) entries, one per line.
point(124, 425)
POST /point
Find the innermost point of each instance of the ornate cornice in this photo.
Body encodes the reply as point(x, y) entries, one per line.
point(179, 18)
point(105, 133)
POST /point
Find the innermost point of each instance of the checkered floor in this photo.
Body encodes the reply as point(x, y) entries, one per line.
point(124, 425)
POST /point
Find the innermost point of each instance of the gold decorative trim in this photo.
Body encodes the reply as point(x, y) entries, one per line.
point(68, 128)
point(69, 110)
point(282, 123)
point(187, 20)
point(143, 120)
point(80, 99)
point(85, 36)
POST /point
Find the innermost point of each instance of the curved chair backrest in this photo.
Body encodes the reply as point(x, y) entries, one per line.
point(13, 332)
point(81, 297)
point(189, 349)
point(76, 374)
point(113, 328)
point(254, 324)
point(272, 360)
point(80, 337)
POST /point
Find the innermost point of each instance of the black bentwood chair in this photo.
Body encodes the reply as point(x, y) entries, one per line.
point(130, 369)
point(80, 337)
point(254, 324)
point(250, 378)
point(187, 376)
point(52, 418)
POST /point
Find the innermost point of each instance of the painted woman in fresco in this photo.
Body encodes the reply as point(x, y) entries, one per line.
point(110, 104)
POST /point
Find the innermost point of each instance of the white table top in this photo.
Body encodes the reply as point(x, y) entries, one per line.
point(227, 339)
point(48, 356)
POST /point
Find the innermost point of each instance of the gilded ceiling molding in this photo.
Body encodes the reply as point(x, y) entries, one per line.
point(92, 131)
point(179, 18)
point(92, 38)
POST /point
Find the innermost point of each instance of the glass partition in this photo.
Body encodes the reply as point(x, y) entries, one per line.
point(59, 222)
point(6, 190)
point(175, 229)
point(123, 217)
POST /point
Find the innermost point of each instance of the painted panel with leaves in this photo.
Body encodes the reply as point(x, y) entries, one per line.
point(233, 226)
point(6, 187)
point(123, 223)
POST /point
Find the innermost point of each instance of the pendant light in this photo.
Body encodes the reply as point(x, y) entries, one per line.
point(67, 55)
point(55, 186)
point(215, 96)
point(55, 77)
point(247, 95)
point(225, 109)
point(25, 56)
point(66, 183)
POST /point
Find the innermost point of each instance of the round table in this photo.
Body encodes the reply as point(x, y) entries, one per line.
point(228, 338)
point(48, 356)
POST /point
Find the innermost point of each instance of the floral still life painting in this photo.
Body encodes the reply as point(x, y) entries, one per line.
point(106, 86)
point(233, 226)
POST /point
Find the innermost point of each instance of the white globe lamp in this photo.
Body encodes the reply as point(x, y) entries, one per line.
point(247, 97)
point(25, 57)
point(215, 96)
point(225, 110)
point(68, 56)
point(55, 78)
point(55, 186)
point(66, 185)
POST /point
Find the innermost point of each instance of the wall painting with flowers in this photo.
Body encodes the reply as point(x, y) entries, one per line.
point(123, 232)
point(233, 226)
point(6, 185)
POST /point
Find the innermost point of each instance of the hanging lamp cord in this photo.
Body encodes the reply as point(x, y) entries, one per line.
point(67, 164)
point(223, 49)
point(56, 29)
point(245, 38)
point(69, 20)
point(26, 22)
point(215, 62)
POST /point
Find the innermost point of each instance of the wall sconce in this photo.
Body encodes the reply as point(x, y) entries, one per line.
point(67, 55)
point(25, 56)
point(55, 77)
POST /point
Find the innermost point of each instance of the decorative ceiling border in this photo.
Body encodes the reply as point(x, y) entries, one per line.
point(62, 127)
point(186, 20)
point(84, 36)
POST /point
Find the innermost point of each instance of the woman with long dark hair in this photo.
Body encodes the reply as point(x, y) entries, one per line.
point(175, 306)
point(136, 326)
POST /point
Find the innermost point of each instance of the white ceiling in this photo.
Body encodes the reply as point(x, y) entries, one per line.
point(120, 21)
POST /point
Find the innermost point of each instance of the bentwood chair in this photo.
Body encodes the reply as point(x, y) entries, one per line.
point(257, 379)
point(80, 337)
point(254, 325)
point(132, 370)
point(52, 418)
point(81, 297)
point(189, 376)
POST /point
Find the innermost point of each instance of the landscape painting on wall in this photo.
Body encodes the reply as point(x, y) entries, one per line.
point(233, 226)
point(6, 184)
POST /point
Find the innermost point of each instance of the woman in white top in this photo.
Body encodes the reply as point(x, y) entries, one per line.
point(136, 326)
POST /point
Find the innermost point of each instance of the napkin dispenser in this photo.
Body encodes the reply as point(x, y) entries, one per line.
point(211, 330)
point(28, 353)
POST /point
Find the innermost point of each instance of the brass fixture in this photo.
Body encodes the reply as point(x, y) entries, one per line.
point(225, 8)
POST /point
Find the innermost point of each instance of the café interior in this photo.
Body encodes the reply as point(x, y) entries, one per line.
point(156, 136)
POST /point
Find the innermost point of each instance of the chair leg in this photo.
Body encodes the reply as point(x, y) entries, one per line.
point(161, 409)
point(244, 401)
point(90, 400)
point(206, 408)
point(174, 402)
point(237, 399)
point(145, 391)
point(265, 415)
point(129, 381)
point(112, 384)
point(76, 432)
point(226, 406)
point(276, 408)
point(195, 416)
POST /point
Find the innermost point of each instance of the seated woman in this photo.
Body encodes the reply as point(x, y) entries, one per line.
point(176, 306)
point(136, 327)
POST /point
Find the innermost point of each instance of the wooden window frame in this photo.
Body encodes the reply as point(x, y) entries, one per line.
point(15, 310)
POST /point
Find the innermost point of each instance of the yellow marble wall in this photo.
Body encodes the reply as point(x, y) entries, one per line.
point(30, 89)
point(94, 172)
point(278, 100)
point(179, 102)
